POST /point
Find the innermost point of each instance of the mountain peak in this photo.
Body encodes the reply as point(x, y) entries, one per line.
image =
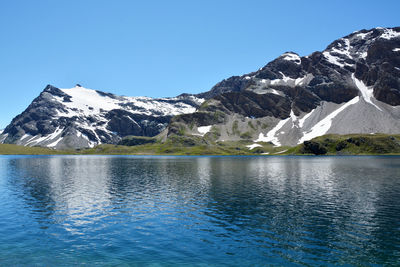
point(291, 56)
point(79, 117)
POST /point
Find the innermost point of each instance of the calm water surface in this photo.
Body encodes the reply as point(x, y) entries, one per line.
point(199, 211)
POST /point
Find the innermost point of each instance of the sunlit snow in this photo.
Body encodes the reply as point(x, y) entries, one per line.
point(324, 125)
point(204, 129)
point(252, 146)
point(366, 92)
point(270, 137)
point(292, 57)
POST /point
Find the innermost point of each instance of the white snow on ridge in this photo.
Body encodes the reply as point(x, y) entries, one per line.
point(335, 60)
point(389, 34)
point(270, 137)
point(396, 50)
point(366, 92)
point(287, 81)
point(292, 57)
point(362, 35)
point(87, 102)
point(332, 59)
point(324, 125)
point(345, 51)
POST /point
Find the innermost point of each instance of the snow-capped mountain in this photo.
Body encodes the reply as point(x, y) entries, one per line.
point(353, 86)
point(79, 117)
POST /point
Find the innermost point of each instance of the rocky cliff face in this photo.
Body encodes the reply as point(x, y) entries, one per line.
point(353, 86)
point(80, 117)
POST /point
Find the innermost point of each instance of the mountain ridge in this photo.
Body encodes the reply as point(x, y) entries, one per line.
point(305, 96)
point(79, 117)
point(352, 86)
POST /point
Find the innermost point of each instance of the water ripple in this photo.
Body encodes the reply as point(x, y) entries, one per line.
point(199, 211)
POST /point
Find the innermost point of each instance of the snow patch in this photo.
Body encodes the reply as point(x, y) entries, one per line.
point(324, 125)
point(283, 151)
point(364, 55)
point(292, 57)
point(204, 129)
point(287, 81)
point(252, 146)
point(366, 92)
point(332, 59)
point(261, 91)
point(55, 142)
point(270, 137)
point(389, 34)
point(3, 137)
point(396, 50)
point(362, 35)
point(294, 119)
point(273, 91)
point(24, 137)
point(88, 101)
point(344, 51)
point(302, 120)
point(46, 138)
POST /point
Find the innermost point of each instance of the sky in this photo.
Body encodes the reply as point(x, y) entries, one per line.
point(162, 48)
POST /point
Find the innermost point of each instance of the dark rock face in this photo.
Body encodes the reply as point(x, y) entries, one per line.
point(256, 105)
point(125, 123)
point(35, 119)
point(235, 84)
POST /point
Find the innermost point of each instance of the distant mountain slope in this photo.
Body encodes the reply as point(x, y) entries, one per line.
point(353, 86)
point(80, 117)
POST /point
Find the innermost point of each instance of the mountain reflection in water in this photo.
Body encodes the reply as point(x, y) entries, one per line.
point(111, 210)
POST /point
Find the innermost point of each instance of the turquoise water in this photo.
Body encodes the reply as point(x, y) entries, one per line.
point(199, 211)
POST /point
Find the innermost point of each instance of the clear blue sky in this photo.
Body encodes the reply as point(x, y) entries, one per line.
point(161, 48)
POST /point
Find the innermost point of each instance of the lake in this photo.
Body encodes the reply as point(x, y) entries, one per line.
point(199, 211)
